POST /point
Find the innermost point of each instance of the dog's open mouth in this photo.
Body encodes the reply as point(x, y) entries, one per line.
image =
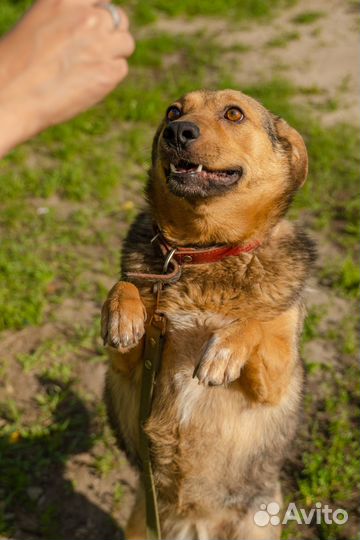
point(185, 168)
point(194, 180)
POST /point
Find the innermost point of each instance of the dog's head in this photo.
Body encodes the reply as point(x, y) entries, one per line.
point(223, 167)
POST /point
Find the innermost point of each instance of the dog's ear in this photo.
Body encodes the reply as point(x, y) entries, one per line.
point(294, 145)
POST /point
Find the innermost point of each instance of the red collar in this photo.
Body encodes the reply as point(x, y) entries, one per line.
point(176, 257)
point(190, 255)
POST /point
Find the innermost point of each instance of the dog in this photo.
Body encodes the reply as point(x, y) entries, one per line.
point(227, 397)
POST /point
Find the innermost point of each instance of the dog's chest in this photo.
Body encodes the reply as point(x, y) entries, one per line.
point(188, 335)
point(191, 321)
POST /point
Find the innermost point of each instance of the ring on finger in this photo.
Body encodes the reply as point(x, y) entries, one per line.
point(114, 12)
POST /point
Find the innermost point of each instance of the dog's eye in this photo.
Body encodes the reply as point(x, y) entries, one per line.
point(234, 114)
point(173, 113)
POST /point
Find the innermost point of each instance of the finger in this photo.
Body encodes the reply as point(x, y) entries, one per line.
point(119, 44)
point(119, 68)
point(107, 20)
point(112, 73)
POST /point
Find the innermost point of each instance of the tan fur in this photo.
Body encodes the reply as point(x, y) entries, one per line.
point(217, 449)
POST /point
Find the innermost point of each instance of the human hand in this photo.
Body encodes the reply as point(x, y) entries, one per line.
point(63, 57)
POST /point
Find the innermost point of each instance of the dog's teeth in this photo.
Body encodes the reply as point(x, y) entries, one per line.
point(172, 167)
point(199, 168)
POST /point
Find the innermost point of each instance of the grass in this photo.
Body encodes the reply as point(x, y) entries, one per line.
point(147, 12)
point(283, 39)
point(21, 272)
point(330, 472)
point(308, 17)
point(247, 9)
point(343, 274)
point(66, 200)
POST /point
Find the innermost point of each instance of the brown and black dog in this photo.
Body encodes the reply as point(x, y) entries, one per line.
point(224, 172)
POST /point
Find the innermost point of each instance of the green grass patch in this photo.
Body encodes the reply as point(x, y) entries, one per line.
point(144, 13)
point(283, 39)
point(308, 17)
point(331, 472)
point(330, 450)
point(350, 335)
point(311, 323)
point(24, 282)
point(151, 52)
point(11, 11)
point(344, 275)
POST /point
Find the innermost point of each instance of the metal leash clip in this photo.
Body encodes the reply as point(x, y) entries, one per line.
point(168, 258)
point(158, 286)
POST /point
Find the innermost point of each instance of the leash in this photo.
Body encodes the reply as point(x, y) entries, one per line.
point(176, 257)
point(154, 343)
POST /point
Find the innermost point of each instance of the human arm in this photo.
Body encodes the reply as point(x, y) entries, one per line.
point(63, 57)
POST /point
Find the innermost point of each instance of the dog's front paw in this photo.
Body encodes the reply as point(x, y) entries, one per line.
point(221, 362)
point(122, 319)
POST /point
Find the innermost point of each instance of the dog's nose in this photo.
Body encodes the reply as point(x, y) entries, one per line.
point(181, 133)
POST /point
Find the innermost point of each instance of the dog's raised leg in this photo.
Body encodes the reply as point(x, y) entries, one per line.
point(226, 353)
point(260, 354)
point(123, 319)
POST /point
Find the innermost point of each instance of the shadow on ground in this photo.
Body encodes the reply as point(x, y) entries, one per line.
point(38, 497)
